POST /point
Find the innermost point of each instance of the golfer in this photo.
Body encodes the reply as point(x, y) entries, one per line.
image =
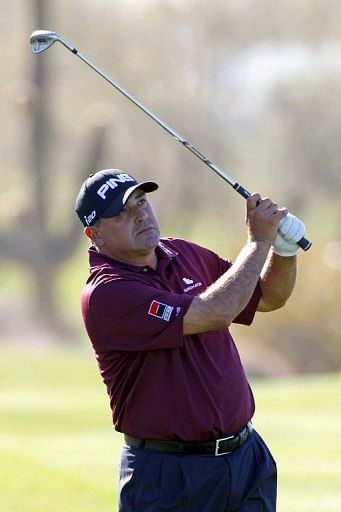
point(158, 311)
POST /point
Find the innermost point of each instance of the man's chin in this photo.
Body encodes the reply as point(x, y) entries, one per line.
point(149, 239)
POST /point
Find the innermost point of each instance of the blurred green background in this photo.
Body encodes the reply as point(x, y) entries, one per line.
point(255, 85)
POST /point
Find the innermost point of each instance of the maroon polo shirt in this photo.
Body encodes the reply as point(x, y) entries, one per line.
point(162, 384)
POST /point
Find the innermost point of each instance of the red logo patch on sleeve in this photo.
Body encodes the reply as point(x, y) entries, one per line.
point(160, 310)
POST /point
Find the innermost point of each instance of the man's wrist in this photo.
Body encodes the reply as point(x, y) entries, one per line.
point(259, 241)
point(284, 253)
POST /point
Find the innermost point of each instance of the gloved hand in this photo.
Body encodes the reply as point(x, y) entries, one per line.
point(290, 231)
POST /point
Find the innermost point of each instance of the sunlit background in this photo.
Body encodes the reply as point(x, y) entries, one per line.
point(253, 84)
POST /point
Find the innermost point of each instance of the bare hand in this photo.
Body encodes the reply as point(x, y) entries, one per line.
point(262, 218)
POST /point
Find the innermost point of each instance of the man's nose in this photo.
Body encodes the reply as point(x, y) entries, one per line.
point(140, 213)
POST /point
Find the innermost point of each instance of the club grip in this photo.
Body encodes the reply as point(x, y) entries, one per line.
point(304, 243)
point(241, 190)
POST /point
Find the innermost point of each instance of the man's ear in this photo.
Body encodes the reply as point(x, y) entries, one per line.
point(88, 232)
point(92, 234)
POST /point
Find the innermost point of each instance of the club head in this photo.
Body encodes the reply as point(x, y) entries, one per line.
point(42, 39)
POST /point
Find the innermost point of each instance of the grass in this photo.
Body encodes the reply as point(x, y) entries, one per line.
point(301, 421)
point(58, 451)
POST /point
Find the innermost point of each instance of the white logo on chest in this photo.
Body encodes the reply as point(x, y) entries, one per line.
point(190, 284)
point(187, 281)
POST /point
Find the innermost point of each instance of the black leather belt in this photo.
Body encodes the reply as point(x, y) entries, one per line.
point(218, 447)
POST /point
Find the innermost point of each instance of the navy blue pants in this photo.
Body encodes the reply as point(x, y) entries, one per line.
point(242, 481)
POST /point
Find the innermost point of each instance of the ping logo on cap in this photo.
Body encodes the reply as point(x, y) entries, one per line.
point(104, 193)
point(113, 183)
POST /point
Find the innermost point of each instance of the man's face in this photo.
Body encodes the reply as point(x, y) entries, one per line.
point(133, 234)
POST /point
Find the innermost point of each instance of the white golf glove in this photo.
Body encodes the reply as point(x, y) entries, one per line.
point(290, 231)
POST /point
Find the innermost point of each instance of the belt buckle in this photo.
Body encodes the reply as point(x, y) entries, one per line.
point(217, 445)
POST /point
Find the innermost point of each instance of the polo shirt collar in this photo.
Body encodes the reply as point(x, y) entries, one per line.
point(164, 254)
point(164, 251)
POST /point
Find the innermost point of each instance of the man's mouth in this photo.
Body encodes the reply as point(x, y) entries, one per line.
point(146, 229)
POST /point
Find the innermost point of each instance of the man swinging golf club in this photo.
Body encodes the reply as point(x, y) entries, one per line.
point(158, 311)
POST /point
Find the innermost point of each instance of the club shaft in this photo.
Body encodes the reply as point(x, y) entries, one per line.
point(303, 243)
point(159, 121)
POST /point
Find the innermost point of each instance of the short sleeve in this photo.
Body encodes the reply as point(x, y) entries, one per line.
point(247, 315)
point(131, 315)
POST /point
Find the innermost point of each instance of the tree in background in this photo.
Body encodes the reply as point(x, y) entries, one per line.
point(37, 245)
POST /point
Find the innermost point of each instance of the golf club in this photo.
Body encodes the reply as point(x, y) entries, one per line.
point(43, 39)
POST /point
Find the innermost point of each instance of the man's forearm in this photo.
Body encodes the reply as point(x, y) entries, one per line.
point(277, 281)
point(217, 307)
point(222, 302)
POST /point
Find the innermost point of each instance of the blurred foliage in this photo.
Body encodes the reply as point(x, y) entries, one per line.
point(253, 84)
